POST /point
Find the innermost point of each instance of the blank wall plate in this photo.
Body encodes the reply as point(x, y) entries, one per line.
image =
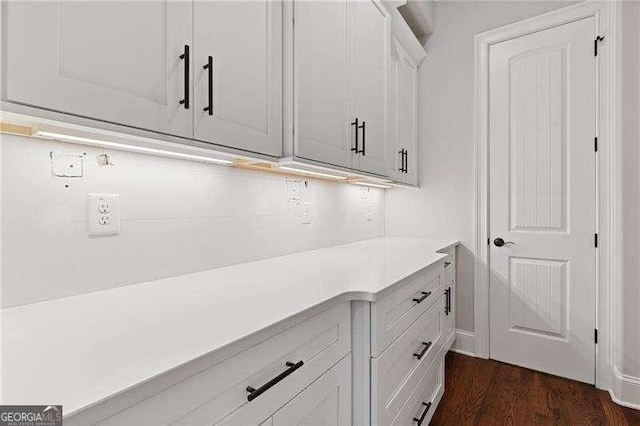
point(103, 214)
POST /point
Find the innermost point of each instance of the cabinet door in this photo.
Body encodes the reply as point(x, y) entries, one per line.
point(371, 35)
point(322, 130)
point(326, 402)
point(403, 116)
point(244, 40)
point(116, 61)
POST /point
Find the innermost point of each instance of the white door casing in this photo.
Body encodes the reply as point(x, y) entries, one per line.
point(246, 73)
point(542, 197)
point(90, 59)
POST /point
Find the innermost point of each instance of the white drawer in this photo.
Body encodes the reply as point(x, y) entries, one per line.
point(422, 403)
point(402, 365)
point(219, 394)
point(393, 314)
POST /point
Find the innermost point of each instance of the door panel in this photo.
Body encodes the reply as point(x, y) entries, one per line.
point(89, 58)
point(247, 74)
point(321, 48)
point(326, 402)
point(402, 116)
point(542, 198)
point(371, 35)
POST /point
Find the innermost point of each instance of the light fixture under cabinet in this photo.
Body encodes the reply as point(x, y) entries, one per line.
point(126, 147)
point(312, 173)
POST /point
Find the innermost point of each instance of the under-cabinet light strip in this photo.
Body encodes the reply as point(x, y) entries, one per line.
point(80, 139)
point(296, 170)
point(375, 185)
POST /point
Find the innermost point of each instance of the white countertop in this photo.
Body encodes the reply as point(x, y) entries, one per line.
point(79, 350)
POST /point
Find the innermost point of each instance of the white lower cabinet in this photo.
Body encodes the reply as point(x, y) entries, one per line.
point(326, 402)
point(362, 363)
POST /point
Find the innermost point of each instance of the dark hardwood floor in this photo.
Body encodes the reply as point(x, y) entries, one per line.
point(487, 392)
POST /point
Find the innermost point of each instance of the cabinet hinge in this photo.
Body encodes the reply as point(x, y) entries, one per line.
point(595, 240)
point(595, 44)
point(596, 143)
point(595, 335)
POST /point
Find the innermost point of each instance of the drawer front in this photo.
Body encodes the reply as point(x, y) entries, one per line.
point(212, 395)
point(402, 365)
point(424, 400)
point(393, 314)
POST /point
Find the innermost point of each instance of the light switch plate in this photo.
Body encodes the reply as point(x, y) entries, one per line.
point(306, 213)
point(103, 214)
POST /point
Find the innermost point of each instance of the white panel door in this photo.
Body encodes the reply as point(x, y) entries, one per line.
point(371, 35)
point(244, 41)
point(322, 129)
point(326, 402)
point(542, 198)
point(402, 117)
point(116, 61)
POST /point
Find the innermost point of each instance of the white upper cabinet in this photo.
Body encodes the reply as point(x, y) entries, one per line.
point(238, 99)
point(371, 35)
point(321, 82)
point(340, 65)
point(402, 147)
point(113, 61)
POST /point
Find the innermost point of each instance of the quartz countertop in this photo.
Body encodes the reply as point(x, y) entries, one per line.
point(82, 349)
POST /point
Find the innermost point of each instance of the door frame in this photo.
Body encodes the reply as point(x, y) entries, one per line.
point(608, 178)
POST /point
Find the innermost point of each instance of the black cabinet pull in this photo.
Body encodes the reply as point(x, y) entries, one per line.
point(446, 264)
point(254, 393)
point(364, 138)
point(406, 161)
point(209, 67)
point(424, 350)
point(425, 294)
point(424, 414)
point(185, 57)
point(355, 123)
point(401, 152)
point(447, 306)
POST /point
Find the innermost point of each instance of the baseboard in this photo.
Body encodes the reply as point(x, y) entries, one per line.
point(625, 390)
point(465, 343)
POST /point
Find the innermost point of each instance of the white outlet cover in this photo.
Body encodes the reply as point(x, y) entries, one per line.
point(369, 213)
point(103, 214)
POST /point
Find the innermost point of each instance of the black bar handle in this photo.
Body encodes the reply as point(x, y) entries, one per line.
point(425, 294)
point(424, 350)
point(447, 306)
point(406, 161)
point(209, 67)
point(401, 152)
point(254, 393)
point(355, 123)
point(186, 57)
point(424, 414)
point(364, 138)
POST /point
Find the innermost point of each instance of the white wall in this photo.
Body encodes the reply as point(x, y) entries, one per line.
point(177, 217)
point(443, 206)
point(629, 353)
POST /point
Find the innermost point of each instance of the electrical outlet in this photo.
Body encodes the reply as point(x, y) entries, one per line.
point(306, 213)
point(369, 213)
point(103, 214)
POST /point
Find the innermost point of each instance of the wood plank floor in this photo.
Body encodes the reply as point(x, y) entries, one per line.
point(487, 392)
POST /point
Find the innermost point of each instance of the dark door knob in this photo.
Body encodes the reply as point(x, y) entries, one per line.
point(499, 242)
